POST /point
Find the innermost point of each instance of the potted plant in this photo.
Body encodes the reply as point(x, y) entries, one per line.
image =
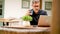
point(26, 20)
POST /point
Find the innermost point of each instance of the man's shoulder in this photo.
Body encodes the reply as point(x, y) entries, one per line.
point(42, 12)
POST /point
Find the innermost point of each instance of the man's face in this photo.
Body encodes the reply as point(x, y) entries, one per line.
point(36, 5)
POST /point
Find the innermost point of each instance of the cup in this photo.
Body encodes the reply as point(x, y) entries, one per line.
point(31, 12)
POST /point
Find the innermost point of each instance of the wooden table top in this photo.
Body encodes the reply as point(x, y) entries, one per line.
point(35, 29)
point(8, 20)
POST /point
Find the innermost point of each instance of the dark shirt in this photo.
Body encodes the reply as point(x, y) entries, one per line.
point(36, 16)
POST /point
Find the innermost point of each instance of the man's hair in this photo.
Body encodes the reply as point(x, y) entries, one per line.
point(35, 1)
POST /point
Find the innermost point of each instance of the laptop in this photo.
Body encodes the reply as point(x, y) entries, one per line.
point(44, 21)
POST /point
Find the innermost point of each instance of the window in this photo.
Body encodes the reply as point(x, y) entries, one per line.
point(0, 9)
point(48, 5)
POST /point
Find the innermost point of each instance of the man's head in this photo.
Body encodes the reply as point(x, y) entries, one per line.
point(36, 4)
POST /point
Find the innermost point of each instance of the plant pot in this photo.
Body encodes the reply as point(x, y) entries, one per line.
point(26, 23)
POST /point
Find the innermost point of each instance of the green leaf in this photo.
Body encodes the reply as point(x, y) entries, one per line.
point(27, 18)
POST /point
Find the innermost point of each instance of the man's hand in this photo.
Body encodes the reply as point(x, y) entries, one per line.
point(28, 12)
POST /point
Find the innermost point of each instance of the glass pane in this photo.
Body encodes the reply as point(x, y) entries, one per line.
point(0, 11)
point(0, 6)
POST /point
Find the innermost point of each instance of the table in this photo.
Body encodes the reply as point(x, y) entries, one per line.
point(8, 20)
point(36, 30)
point(5, 21)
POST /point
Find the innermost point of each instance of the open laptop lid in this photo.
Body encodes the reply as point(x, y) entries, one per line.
point(44, 20)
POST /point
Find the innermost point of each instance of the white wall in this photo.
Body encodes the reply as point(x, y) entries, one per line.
point(13, 9)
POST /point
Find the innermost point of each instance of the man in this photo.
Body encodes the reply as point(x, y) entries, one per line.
point(35, 12)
